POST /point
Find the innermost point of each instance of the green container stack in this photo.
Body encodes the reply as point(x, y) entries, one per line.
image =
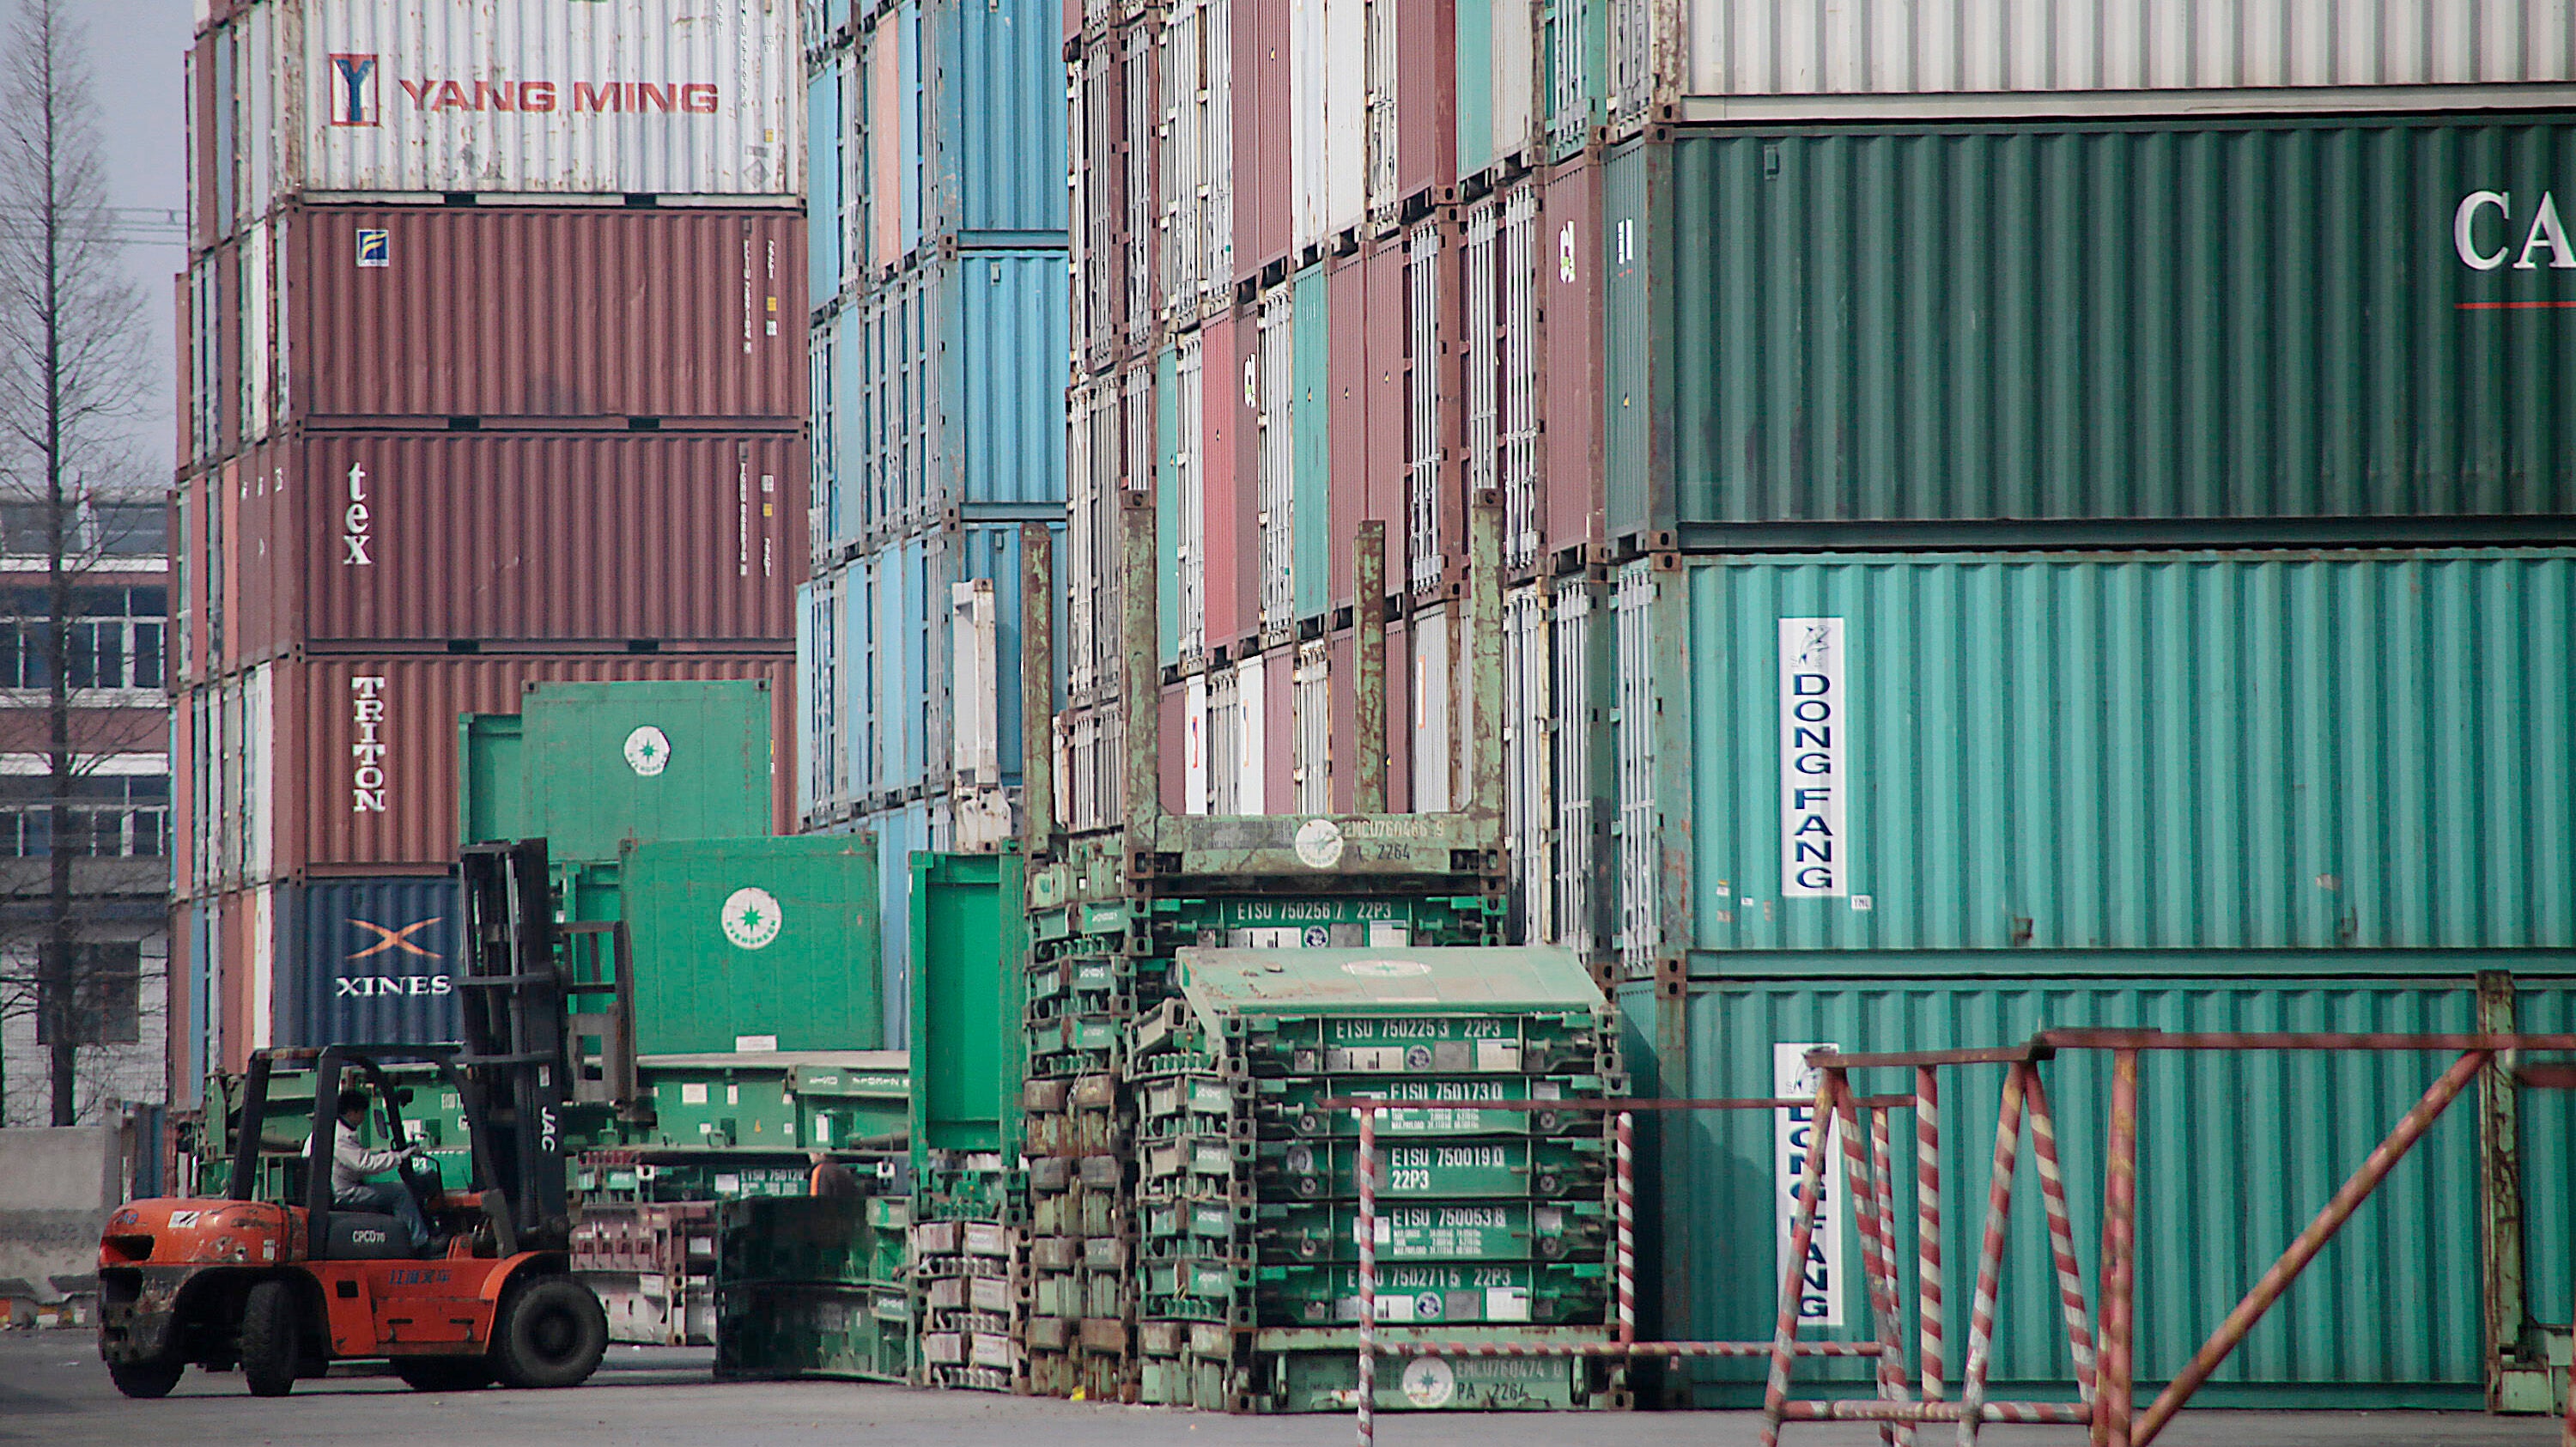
point(1494, 1223)
point(970, 1199)
point(814, 1287)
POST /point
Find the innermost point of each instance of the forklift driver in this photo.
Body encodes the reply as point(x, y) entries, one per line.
point(352, 1164)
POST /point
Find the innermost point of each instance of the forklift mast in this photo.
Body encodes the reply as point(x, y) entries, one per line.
point(516, 1054)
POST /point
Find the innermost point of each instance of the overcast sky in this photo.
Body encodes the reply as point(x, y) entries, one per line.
point(138, 61)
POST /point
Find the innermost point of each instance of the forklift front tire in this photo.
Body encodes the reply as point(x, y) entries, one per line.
point(145, 1379)
point(271, 1339)
point(552, 1333)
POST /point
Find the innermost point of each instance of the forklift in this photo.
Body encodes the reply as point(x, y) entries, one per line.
point(281, 1290)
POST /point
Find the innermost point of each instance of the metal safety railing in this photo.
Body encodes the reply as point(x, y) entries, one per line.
point(2102, 1347)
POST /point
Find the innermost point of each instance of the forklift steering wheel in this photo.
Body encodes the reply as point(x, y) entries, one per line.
point(420, 1177)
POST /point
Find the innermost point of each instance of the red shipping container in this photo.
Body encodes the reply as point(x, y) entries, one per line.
point(1341, 670)
point(513, 539)
point(1263, 182)
point(1571, 287)
point(372, 788)
point(1221, 405)
point(1279, 730)
point(422, 313)
point(1399, 717)
point(1426, 101)
point(1246, 398)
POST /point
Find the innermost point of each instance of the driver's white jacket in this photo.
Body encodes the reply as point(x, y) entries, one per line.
point(352, 1163)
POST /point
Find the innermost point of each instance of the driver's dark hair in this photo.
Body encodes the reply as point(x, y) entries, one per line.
point(353, 1100)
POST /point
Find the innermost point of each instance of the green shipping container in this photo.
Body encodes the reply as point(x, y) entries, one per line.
point(2237, 1152)
point(593, 766)
point(2140, 330)
point(969, 947)
point(2037, 753)
point(755, 944)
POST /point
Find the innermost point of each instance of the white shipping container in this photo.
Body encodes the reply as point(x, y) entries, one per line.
point(598, 98)
point(1663, 50)
point(1346, 118)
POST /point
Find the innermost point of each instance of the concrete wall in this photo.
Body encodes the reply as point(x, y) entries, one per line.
point(56, 1187)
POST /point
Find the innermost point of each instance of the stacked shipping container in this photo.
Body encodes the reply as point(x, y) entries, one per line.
point(938, 331)
point(492, 376)
point(1787, 337)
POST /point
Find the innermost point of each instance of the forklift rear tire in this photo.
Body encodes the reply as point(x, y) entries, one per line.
point(271, 1343)
point(444, 1374)
point(552, 1333)
point(145, 1379)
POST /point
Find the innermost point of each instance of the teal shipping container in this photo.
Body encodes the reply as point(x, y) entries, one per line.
point(944, 389)
point(2354, 755)
point(2157, 332)
point(2237, 1152)
point(755, 944)
point(595, 766)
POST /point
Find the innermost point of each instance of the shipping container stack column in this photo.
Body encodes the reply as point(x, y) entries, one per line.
point(937, 342)
point(476, 394)
point(2011, 624)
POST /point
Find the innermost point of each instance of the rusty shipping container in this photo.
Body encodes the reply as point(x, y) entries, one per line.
point(423, 313)
point(1570, 286)
point(1263, 168)
point(506, 540)
point(315, 767)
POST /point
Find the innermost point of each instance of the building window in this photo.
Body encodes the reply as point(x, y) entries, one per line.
point(106, 988)
point(113, 816)
point(117, 637)
point(114, 529)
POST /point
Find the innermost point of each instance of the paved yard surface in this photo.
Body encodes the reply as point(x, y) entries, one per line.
point(54, 1392)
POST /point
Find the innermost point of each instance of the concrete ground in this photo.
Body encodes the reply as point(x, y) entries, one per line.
point(54, 1392)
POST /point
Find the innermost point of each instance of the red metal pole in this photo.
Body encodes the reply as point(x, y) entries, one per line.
point(1877, 1257)
point(2113, 1398)
point(2061, 1237)
point(1793, 1272)
point(1891, 1330)
point(2408, 1131)
point(1927, 1244)
point(1990, 1259)
point(1367, 1172)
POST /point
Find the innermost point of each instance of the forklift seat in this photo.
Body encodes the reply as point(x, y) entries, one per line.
point(366, 1236)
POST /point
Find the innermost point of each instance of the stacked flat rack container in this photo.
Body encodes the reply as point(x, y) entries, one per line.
point(493, 377)
point(938, 335)
point(2127, 425)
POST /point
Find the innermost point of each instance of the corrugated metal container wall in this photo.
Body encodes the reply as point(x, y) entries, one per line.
point(1498, 59)
point(1826, 55)
point(1100, 199)
point(2389, 1316)
point(197, 1036)
point(1346, 443)
point(948, 392)
point(831, 134)
point(995, 105)
point(2306, 319)
point(647, 97)
point(2072, 752)
point(370, 961)
point(1222, 521)
point(391, 806)
point(1264, 169)
point(1141, 223)
point(1575, 71)
point(1425, 88)
point(245, 980)
point(518, 538)
point(1310, 424)
point(1570, 286)
point(901, 833)
point(905, 575)
point(430, 312)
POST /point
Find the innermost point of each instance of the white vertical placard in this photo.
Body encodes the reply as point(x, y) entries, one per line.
point(1815, 857)
point(1794, 1132)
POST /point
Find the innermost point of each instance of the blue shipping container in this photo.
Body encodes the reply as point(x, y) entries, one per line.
point(367, 961)
point(942, 392)
point(994, 101)
point(876, 657)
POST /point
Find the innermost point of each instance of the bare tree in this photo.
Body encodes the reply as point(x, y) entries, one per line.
point(71, 363)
